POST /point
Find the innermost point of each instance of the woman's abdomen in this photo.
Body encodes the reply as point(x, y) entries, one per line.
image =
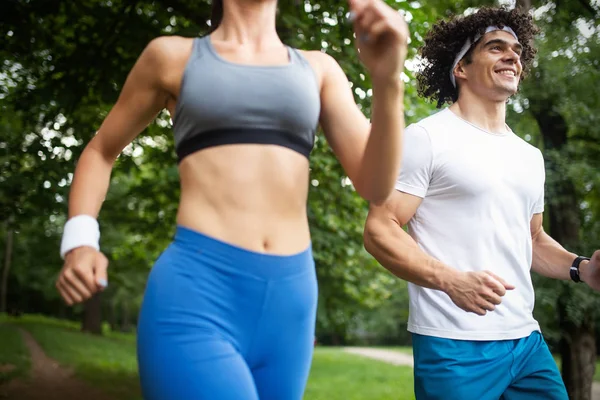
point(252, 196)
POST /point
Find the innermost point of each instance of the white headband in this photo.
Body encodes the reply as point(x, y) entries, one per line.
point(470, 42)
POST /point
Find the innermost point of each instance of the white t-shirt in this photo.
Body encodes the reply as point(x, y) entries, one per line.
point(480, 191)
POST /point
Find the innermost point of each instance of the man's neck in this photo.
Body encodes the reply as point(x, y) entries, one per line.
point(484, 113)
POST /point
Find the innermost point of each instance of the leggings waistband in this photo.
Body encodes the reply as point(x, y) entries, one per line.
point(264, 265)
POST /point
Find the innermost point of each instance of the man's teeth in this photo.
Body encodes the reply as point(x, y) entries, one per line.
point(507, 73)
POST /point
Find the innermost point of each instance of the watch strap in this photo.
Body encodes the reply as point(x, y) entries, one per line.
point(574, 270)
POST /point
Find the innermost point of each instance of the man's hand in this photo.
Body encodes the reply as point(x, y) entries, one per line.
point(477, 292)
point(382, 38)
point(83, 275)
point(589, 271)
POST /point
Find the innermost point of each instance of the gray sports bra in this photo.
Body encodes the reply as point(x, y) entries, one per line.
point(221, 102)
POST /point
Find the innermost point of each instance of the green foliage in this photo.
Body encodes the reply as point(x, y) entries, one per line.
point(387, 323)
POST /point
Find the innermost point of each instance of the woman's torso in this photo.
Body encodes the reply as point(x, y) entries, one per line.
point(248, 192)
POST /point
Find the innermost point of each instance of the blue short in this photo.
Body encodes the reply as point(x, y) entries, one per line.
point(521, 369)
point(221, 322)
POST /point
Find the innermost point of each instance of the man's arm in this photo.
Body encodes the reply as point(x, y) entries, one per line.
point(550, 259)
point(396, 250)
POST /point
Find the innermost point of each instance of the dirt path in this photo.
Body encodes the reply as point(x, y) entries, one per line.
point(397, 358)
point(389, 356)
point(49, 381)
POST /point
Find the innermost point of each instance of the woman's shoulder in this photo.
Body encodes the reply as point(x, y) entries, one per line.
point(322, 63)
point(318, 57)
point(164, 59)
point(170, 47)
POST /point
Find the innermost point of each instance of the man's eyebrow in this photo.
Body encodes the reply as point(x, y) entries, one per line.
point(503, 42)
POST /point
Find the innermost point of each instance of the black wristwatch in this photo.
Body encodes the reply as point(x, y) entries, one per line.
point(574, 271)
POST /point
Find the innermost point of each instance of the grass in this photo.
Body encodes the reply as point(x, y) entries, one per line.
point(103, 361)
point(14, 357)
point(336, 375)
point(109, 362)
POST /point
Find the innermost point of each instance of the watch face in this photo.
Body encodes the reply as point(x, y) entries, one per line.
point(574, 272)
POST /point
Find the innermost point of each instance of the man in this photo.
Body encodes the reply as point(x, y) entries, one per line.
point(472, 194)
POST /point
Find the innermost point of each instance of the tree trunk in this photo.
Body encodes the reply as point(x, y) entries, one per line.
point(92, 315)
point(7, 262)
point(112, 318)
point(62, 311)
point(578, 355)
point(125, 323)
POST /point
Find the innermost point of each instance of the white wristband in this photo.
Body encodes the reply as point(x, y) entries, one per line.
point(81, 230)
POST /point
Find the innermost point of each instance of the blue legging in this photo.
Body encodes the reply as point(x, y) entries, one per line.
point(221, 322)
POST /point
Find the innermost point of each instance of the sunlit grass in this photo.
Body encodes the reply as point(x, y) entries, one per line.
point(336, 375)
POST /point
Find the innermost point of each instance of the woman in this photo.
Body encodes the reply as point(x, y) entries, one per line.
point(229, 307)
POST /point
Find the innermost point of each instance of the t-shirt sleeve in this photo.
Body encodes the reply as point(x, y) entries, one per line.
point(538, 207)
point(417, 160)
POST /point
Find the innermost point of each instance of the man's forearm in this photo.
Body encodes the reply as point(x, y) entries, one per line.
point(382, 157)
point(397, 251)
point(550, 259)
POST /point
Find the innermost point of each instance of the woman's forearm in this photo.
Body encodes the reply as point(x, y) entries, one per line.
point(90, 182)
point(382, 157)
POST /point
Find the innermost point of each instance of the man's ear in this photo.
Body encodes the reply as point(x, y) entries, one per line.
point(459, 70)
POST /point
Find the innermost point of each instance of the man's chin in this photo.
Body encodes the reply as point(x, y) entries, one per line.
point(507, 90)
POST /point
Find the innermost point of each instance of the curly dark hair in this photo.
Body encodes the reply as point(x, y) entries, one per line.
point(446, 38)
